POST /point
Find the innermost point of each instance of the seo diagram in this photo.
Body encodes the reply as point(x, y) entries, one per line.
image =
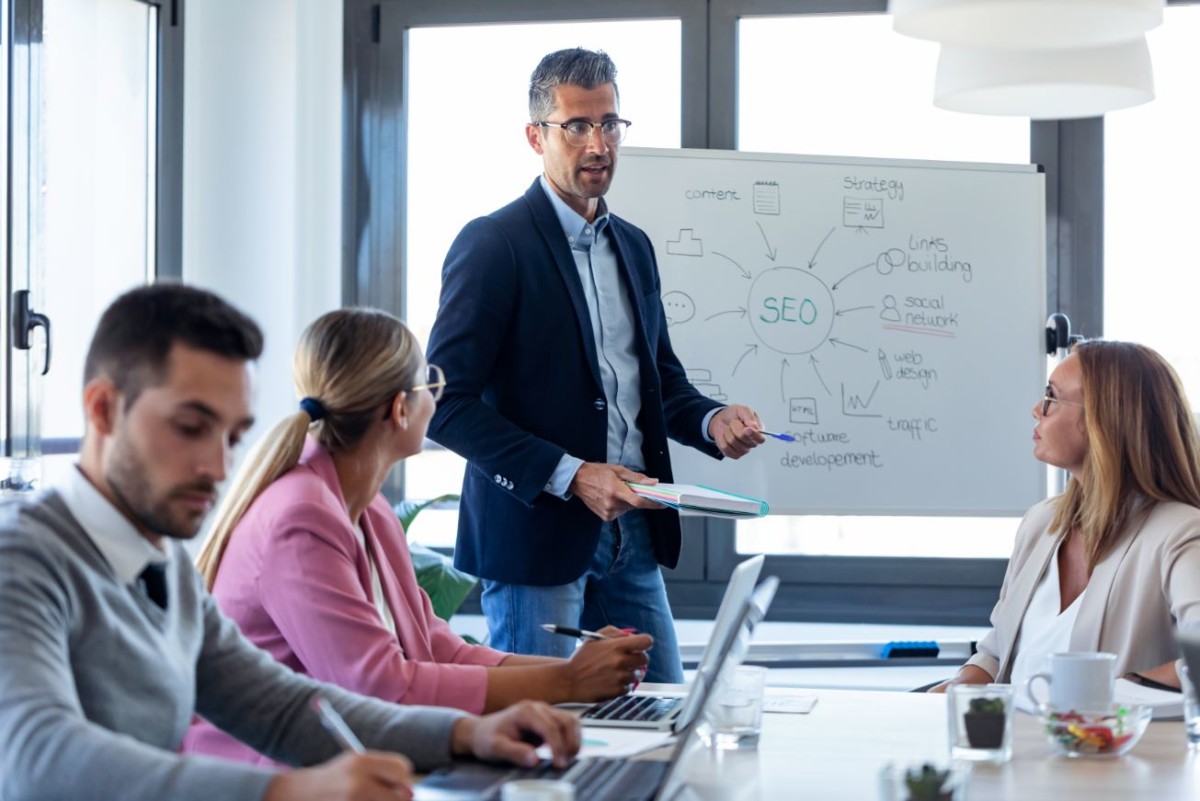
point(871, 313)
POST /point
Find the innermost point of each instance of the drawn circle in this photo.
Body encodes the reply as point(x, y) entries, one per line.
point(790, 310)
point(889, 260)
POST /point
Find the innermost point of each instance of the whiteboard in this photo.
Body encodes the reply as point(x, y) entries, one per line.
point(888, 314)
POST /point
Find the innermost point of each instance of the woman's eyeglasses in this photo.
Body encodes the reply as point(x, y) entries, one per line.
point(1048, 399)
point(435, 382)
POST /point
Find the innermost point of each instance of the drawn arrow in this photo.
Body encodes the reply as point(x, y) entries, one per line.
point(813, 261)
point(770, 250)
point(734, 263)
point(813, 361)
point(835, 342)
point(860, 230)
point(840, 312)
point(739, 310)
point(783, 366)
point(749, 350)
point(838, 282)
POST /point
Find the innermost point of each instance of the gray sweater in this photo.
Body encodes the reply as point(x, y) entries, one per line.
point(98, 684)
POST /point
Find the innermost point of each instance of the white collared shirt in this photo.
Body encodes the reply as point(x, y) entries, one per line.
point(381, 604)
point(119, 542)
point(1045, 629)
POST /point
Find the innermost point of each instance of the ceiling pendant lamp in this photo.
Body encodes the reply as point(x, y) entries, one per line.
point(1026, 24)
point(1044, 84)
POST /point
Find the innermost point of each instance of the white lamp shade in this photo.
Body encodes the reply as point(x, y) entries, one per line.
point(1044, 84)
point(1026, 24)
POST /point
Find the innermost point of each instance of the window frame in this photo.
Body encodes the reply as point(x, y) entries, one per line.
point(813, 588)
point(26, 17)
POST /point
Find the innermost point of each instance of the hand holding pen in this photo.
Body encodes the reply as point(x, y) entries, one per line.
point(610, 662)
point(356, 775)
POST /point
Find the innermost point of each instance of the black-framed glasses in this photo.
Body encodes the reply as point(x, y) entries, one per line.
point(579, 132)
point(435, 382)
point(1048, 399)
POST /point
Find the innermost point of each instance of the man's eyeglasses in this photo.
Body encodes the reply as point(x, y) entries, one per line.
point(435, 382)
point(579, 132)
point(1048, 399)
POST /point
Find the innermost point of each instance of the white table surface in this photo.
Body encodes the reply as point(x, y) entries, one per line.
point(837, 751)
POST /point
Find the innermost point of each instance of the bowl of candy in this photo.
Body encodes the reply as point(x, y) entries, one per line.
point(1096, 735)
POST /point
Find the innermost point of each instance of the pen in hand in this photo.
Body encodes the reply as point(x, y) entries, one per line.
point(582, 634)
point(336, 726)
point(784, 437)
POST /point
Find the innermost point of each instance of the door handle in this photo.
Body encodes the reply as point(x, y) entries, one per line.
point(24, 320)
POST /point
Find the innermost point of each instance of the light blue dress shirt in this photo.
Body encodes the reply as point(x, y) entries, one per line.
point(612, 320)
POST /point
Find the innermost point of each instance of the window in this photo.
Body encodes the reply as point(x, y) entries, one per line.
point(100, 60)
point(84, 121)
point(468, 158)
point(1151, 166)
point(873, 98)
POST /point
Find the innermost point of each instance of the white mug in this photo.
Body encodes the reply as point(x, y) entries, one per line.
point(1079, 681)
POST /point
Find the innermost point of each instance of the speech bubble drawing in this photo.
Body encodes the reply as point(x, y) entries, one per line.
point(679, 307)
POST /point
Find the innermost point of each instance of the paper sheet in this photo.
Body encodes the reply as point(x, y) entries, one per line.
point(789, 704)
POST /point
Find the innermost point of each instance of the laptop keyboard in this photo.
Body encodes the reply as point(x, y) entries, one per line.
point(633, 707)
point(595, 779)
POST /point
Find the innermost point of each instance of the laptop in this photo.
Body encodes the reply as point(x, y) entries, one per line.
point(606, 778)
point(642, 711)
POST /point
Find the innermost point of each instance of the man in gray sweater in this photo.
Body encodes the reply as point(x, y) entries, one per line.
point(109, 643)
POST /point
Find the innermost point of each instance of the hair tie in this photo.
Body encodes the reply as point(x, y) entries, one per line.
point(314, 408)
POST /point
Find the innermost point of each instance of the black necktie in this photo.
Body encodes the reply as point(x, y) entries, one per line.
point(154, 583)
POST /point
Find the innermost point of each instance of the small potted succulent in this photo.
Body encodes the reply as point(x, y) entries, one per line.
point(984, 722)
point(927, 783)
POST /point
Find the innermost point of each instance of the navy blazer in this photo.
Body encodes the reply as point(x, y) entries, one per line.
point(523, 387)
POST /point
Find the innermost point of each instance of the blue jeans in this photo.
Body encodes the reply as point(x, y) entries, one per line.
point(622, 587)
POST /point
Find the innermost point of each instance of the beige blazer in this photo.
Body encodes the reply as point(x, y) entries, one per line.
point(1146, 586)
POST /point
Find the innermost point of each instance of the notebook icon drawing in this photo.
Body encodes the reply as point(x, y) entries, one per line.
point(643, 711)
point(609, 779)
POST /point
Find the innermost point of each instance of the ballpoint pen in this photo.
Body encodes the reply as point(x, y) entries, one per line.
point(784, 437)
point(582, 634)
point(336, 726)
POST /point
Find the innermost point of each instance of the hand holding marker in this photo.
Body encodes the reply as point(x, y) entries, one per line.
point(783, 437)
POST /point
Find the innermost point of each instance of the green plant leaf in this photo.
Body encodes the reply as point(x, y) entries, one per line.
point(447, 586)
point(407, 510)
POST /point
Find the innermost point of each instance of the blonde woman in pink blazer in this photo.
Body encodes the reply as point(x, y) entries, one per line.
point(309, 559)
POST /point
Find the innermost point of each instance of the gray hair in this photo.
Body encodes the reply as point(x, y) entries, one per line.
point(574, 67)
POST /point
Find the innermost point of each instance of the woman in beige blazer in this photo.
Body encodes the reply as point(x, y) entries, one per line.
point(1123, 539)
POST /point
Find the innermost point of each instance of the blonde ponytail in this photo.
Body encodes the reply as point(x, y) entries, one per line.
point(347, 367)
point(278, 452)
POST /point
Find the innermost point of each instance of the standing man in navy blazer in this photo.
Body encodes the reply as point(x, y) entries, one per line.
point(562, 385)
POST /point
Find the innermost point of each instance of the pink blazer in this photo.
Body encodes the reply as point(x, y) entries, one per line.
point(296, 579)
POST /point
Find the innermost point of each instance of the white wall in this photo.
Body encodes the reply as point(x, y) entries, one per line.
point(262, 169)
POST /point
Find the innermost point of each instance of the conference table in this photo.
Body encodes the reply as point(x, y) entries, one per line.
point(837, 751)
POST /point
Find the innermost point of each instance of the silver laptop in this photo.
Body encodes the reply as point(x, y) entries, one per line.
point(645, 711)
point(603, 778)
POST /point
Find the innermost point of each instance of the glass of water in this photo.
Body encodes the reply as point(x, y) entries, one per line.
point(1191, 708)
point(734, 715)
